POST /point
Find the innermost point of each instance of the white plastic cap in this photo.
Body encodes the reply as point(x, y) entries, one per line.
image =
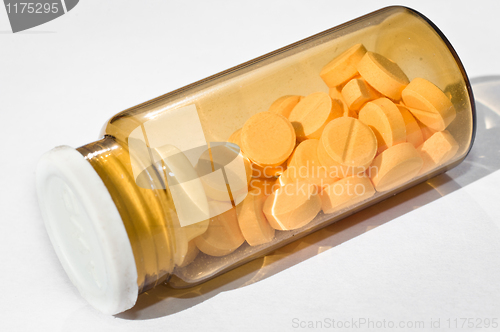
point(86, 230)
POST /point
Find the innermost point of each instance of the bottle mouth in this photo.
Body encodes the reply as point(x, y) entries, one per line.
point(86, 230)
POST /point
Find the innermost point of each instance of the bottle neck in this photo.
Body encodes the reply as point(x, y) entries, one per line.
point(148, 214)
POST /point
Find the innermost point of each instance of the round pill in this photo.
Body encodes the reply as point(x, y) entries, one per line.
point(413, 131)
point(292, 206)
point(395, 166)
point(357, 92)
point(223, 235)
point(343, 67)
point(346, 147)
point(268, 139)
point(312, 114)
point(284, 105)
point(386, 121)
point(345, 193)
point(437, 150)
point(304, 165)
point(383, 74)
point(429, 104)
point(253, 223)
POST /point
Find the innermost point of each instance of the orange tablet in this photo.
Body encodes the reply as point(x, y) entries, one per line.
point(429, 104)
point(343, 67)
point(268, 139)
point(386, 121)
point(292, 206)
point(383, 74)
point(346, 147)
point(312, 114)
point(395, 166)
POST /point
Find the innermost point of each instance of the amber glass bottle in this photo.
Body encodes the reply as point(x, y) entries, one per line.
point(159, 197)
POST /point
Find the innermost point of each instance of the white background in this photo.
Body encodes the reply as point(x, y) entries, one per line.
point(61, 81)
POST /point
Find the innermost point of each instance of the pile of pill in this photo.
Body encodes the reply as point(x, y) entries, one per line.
point(374, 131)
